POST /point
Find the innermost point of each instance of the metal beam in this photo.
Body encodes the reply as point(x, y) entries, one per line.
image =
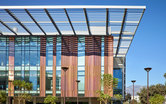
point(70, 21)
point(17, 20)
point(120, 35)
point(87, 21)
point(8, 27)
point(48, 14)
point(107, 21)
point(1, 33)
point(35, 21)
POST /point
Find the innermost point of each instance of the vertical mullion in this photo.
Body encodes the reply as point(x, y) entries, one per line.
point(107, 21)
point(6, 65)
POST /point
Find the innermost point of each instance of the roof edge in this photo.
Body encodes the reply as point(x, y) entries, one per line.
point(73, 7)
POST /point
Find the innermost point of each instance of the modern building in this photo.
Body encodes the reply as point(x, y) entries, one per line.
point(37, 41)
point(136, 98)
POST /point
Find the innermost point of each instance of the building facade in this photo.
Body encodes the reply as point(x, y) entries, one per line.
point(88, 54)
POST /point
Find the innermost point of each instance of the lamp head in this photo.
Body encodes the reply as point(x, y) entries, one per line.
point(148, 69)
point(133, 81)
point(77, 81)
point(65, 68)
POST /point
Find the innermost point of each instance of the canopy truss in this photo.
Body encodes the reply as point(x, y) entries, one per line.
point(118, 21)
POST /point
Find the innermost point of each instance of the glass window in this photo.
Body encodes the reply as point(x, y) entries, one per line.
point(49, 63)
point(81, 57)
point(49, 58)
point(81, 64)
point(2, 41)
point(3, 81)
point(26, 78)
point(18, 58)
point(49, 73)
point(81, 77)
point(102, 51)
point(27, 57)
point(3, 58)
point(58, 51)
point(58, 80)
point(33, 58)
point(33, 77)
point(17, 75)
point(118, 74)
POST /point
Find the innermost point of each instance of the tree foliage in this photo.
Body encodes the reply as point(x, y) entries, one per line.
point(127, 97)
point(50, 99)
point(118, 97)
point(157, 99)
point(165, 75)
point(109, 83)
point(2, 96)
point(153, 90)
point(165, 78)
point(135, 101)
point(22, 85)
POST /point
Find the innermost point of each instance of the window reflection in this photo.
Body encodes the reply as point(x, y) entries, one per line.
point(3, 63)
point(27, 63)
point(49, 63)
point(117, 72)
point(58, 65)
point(81, 64)
point(27, 60)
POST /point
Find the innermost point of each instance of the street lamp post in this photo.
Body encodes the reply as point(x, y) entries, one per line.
point(147, 69)
point(64, 69)
point(77, 89)
point(133, 81)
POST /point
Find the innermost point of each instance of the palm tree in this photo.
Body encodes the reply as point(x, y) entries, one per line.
point(2, 97)
point(18, 84)
point(22, 85)
point(108, 82)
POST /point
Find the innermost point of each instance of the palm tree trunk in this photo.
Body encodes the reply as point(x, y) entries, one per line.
point(106, 102)
point(24, 101)
point(19, 101)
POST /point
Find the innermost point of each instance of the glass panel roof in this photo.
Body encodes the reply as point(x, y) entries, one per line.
point(44, 21)
point(78, 20)
point(120, 21)
point(97, 21)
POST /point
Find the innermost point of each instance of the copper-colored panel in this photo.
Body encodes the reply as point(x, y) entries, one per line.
point(108, 57)
point(69, 59)
point(42, 66)
point(92, 65)
point(54, 67)
point(11, 67)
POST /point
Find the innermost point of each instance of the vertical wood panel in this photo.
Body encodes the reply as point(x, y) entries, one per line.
point(108, 57)
point(54, 66)
point(42, 66)
point(97, 63)
point(92, 65)
point(11, 67)
point(69, 59)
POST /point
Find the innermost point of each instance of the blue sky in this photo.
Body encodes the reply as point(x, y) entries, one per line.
point(148, 48)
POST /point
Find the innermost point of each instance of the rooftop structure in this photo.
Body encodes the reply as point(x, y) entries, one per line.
point(119, 21)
